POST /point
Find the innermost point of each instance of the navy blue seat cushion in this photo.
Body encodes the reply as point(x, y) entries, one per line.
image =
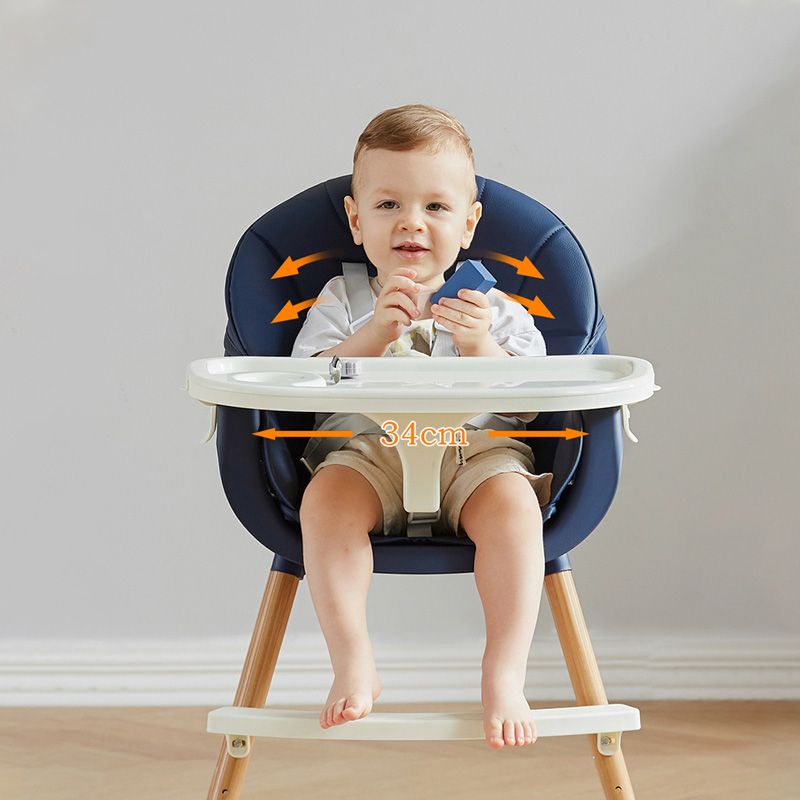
point(314, 221)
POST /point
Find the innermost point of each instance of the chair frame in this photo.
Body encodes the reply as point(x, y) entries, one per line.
point(269, 516)
point(270, 628)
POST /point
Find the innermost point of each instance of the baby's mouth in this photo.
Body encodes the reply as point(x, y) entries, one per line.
point(412, 254)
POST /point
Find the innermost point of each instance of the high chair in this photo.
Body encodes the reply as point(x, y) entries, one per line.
point(277, 271)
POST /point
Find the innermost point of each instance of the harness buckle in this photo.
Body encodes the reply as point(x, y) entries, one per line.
point(419, 522)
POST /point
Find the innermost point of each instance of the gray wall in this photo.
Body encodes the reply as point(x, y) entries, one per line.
point(140, 140)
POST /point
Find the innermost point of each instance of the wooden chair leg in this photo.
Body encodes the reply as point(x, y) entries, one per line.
point(256, 677)
point(585, 675)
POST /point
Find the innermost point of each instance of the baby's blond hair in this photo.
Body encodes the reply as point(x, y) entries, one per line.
point(410, 127)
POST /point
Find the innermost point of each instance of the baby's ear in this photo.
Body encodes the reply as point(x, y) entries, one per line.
point(350, 210)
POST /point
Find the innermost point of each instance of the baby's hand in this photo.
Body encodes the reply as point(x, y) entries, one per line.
point(395, 307)
point(468, 317)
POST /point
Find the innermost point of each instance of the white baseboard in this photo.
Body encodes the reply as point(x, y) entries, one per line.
point(205, 672)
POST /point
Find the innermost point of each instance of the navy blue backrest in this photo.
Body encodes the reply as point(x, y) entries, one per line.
point(314, 221)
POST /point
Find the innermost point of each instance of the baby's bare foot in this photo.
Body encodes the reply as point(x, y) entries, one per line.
point(507, 717)
point(351, 696)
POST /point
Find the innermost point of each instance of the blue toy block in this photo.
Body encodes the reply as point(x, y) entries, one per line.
point(470, 275)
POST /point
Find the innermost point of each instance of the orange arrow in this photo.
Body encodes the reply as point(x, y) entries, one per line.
point(535, 307)
point(271, 433)
point(567, 433)
point(292, 266)
point(522, 266)
point(291, 310)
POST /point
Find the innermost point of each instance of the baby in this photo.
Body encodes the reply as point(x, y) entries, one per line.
point(414, 185)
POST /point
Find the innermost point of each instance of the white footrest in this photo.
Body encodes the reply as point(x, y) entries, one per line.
point(239, 723)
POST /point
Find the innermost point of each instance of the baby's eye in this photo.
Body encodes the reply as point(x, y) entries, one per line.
point(383, 204)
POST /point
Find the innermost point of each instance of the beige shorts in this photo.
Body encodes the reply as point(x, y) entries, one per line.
point(482, 458)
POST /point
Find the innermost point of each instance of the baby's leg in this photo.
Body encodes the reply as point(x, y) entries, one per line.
point(503, 519)
point(338, 510)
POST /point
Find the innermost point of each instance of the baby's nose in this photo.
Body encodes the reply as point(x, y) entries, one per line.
point(412, 219)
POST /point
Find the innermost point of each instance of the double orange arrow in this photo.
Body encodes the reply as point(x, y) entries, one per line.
point(567, 433)
point(292, 266)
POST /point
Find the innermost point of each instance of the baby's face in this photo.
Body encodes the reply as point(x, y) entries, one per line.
point(413, 196)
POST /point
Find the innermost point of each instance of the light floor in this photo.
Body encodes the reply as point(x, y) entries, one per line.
point(704, 750)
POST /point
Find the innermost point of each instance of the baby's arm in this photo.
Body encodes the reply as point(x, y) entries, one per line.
point(364, 342)
point(394, 309)
point(328, 325)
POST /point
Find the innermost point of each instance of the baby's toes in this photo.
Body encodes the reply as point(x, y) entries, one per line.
point(326, 718)
point(355, 708)
point(336, 716)
point(508, 731)
point(519, 733)
point(494, 733)
point(530, 733)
